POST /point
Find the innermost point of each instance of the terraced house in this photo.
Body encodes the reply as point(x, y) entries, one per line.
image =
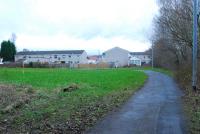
point(54, 57)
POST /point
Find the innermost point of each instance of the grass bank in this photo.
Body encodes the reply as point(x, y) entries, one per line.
point(191, 98)
point(48, 107)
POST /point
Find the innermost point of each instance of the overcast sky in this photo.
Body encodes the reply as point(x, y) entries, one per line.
point(92, 25)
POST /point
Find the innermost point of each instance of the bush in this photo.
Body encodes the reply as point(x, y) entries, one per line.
point(31, 64)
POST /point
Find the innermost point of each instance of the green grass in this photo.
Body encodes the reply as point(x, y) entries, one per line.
point(51, 78)
point(99, 92)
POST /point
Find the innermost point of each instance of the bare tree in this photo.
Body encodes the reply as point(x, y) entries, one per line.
point(173, 30)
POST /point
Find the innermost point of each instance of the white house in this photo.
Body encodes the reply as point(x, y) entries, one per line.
point(116, 57)
point(135, 61)
point(68, 56)
point(145, 57)
point(1, 60)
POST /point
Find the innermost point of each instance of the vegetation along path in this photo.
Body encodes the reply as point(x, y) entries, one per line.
point(155, 109)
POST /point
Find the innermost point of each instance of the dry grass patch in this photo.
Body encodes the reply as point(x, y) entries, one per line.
point(191, 98)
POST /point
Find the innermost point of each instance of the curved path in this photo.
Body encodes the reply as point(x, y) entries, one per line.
point(155, 109)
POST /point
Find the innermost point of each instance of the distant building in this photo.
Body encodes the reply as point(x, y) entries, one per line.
point(94, 59)
point(135, 61)
point(116, 57)
point(57, 57)
point(145, 57)
point(1, 60)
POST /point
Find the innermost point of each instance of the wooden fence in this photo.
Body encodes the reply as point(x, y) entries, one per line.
point(34, 65)
point(100, 65)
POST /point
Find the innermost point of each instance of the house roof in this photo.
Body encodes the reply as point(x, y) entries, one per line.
point(116, 48)
point(139, 53)
point(94, 57)
point(50, 52)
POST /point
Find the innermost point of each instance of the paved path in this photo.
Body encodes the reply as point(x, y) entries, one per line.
point(155, 109)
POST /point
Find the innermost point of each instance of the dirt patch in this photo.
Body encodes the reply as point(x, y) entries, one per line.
point(82, 119)
point(11, 99)
point(71, 87)
point(14, 96)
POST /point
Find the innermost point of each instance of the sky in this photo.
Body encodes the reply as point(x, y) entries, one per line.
point(91, 25)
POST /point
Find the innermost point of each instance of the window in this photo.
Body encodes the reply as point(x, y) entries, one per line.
point(24, 57)
point(78, 55)
point(69, 56)
point(63, 56)
point(136, 62)
point(29, 57)
point(55, 56)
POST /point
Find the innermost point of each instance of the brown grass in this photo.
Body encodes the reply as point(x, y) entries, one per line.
point(12, 98)
point(191, 98)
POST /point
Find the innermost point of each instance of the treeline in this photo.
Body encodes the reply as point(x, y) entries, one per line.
point(173, 34)
point(173, 39)
point(173, 49)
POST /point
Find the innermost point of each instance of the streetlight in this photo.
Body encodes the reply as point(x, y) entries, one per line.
point(152, 56)
point(195, 44)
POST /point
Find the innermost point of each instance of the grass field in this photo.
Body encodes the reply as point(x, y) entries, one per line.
point(50, 109)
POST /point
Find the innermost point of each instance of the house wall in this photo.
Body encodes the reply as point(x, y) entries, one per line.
point(54, 58)
point(1, 60)
point(83, 58)
point(117, 56)
point(144, 58)
point(135, 61)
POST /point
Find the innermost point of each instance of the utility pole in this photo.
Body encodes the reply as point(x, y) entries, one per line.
point(195, 44)
point(152, 56)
